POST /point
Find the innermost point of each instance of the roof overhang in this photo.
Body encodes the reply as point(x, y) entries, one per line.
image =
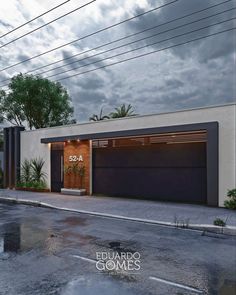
point(133, 132)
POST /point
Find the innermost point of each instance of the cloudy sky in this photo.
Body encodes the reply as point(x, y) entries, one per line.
point(197, 74)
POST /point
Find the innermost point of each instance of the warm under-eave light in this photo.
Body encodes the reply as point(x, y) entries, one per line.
point(178, 142)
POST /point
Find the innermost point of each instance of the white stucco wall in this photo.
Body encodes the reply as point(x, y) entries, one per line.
point(225, 115)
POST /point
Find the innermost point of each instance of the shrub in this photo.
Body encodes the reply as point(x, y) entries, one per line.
point(32, 184)
point(75, 170)
point(68, 170)
point(231, 203)
point(32, 175)
point(219, 222)
point(37, 174)
point(26, 174)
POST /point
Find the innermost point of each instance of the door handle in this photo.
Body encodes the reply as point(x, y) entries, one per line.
point(62, 169)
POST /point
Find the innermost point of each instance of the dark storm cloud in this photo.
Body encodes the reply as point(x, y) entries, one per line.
point(174, 83)
point(3, 76)
point(212, 50)
point(91, 83)
point(91, 97)
point(49, 29)
point(24, 12)
point(107, 8)
point(88, 102)
point(81, 63)
point(22, 57)
point(5, 25)
point(178, 10)
point(87, 94)
point(195, 75)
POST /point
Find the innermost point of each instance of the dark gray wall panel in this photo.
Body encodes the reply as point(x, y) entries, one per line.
point(6, 158)
point(12, 155)
point(161, 172)
point(169, 184)
point(158, 155)
point(56, 170)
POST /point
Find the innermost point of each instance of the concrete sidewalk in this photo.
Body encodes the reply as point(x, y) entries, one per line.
point(170, 214)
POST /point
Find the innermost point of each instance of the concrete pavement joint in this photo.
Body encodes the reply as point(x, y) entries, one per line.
point(150, 278)
point(231, 230)
point(84, 258)
point(176, 285)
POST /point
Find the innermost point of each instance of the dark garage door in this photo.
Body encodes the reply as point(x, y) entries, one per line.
point(174, 172)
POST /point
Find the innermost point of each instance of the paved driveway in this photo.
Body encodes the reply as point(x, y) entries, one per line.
point(149, 210)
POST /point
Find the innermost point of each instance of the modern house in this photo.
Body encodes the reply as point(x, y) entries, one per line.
point(184, 156)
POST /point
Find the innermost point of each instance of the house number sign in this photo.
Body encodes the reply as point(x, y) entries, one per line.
point(76, 158)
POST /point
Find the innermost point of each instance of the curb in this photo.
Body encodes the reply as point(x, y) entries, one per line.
point(228, 230)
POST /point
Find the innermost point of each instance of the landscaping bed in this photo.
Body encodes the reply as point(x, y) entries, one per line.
point(31, 189)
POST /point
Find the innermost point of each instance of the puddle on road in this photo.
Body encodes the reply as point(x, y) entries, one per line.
point(98, 286)
point(118, 246)
point(228, 288)
point(21, 237)
point(9, 240)
point(121, 247)
point(74, 221)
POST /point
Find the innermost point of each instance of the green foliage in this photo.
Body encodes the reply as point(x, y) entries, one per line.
point(232, 193)
point(81, 171)
point(32, 184)
point(32, 175)
point(26, 173)
point(120, 112)
point(123, 111)
point(219, 222)
point(231, 203)
point(76, 169)
point(68, 170)
point(99, 117)
point(37, 172)
point(35, 101)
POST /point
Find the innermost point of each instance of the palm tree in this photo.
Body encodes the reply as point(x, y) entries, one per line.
point(99, 117)
point(123, 111)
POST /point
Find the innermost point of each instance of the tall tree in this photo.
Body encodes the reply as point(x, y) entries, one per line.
point(36, 102)
point(123, 111)
point(99, 117)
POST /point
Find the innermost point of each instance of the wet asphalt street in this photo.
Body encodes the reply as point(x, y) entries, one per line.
point(45, 251)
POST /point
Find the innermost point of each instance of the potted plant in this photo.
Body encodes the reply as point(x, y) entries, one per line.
point(78, 186)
